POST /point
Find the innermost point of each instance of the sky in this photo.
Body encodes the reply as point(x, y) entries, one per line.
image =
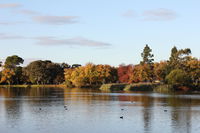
point(99, 31)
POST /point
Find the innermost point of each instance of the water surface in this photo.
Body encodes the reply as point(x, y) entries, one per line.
point(57, 110)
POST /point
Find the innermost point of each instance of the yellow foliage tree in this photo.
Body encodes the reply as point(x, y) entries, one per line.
point(90, 74)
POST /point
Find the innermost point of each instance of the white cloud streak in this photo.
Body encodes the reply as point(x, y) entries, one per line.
point(10, 5)
point(129, 14)
point(56, 20)
point(28, 12)
point(11, 23)
point(53, 41)
point(77, 41)
point(160, 14)
point(4, 36)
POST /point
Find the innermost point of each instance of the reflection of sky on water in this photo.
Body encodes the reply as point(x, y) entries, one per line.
point(95, 111)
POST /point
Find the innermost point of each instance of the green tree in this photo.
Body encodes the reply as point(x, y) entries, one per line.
point(178, 58)
point(44, 72)
point(147, 56)
point(147, 62)
point(13, 61)
point(178, 77)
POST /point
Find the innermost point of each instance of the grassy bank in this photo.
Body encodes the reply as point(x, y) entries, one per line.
point(113, 87)
point(141, 87)
point(164, 88)
point(129, 87)
point(156, 87)
point(32, 86)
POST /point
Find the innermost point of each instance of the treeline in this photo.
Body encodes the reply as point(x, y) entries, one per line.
point(37, 72)
point(181, 69)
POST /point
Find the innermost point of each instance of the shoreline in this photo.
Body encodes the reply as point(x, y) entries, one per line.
point(130, 87)
point(156, 87)
point(33, 86)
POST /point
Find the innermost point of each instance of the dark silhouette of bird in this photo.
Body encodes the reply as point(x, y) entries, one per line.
point(40, 108)
point(121, 117)
point(165, 110)
point(122, 109)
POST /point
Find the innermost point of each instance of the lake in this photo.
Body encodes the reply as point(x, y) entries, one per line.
point(57, 110)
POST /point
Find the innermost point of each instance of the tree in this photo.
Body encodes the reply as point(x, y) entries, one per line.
point(192, 67)
point(7, 76)
point(147, 61)
point(124, 73)
point(65, 66)
point(174, 55)
point(13, 61)
point(12, 72)
point(78, 77)
point(44, 72)
point(178, 58)
point(68, 77)
point(160, 70)
point(147, 56)
point(140, 73)
point(89, 75)
point(178, 77)
point(106, 74)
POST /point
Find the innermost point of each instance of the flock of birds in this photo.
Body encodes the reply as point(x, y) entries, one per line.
point(121, 117)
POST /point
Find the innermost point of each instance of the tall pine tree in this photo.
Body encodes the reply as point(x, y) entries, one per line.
point(147, 56)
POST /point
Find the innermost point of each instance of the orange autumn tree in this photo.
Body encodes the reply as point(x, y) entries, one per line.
point(160, 70)
point(140, 73)
point(12, 71)
point(192, 67)
point(7, 76)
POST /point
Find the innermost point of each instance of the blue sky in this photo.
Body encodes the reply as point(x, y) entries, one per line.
point(98, 31)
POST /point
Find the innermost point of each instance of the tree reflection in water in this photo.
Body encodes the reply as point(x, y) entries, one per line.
point(96, 110)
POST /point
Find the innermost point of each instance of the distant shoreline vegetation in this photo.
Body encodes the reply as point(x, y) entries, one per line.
point(180, 71)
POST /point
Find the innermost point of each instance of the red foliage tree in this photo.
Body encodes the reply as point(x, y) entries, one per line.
point(124, 73)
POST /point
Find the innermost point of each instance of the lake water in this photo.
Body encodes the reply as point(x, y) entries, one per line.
point(43, 110)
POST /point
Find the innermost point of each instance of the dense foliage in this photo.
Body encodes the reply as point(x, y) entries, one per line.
point(44, 72)
point(180, 70)
point(90, 75)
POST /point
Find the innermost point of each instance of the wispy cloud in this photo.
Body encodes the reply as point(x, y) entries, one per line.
point(129, 14)
point(11, 23)
point(4, 36)
point(28, 12)
point(77, 41)
point(10, 5)
point(56, 20)
point(54, 41)
point(160, 14)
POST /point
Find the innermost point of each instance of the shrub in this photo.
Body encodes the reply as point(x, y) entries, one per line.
point(178, 77)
